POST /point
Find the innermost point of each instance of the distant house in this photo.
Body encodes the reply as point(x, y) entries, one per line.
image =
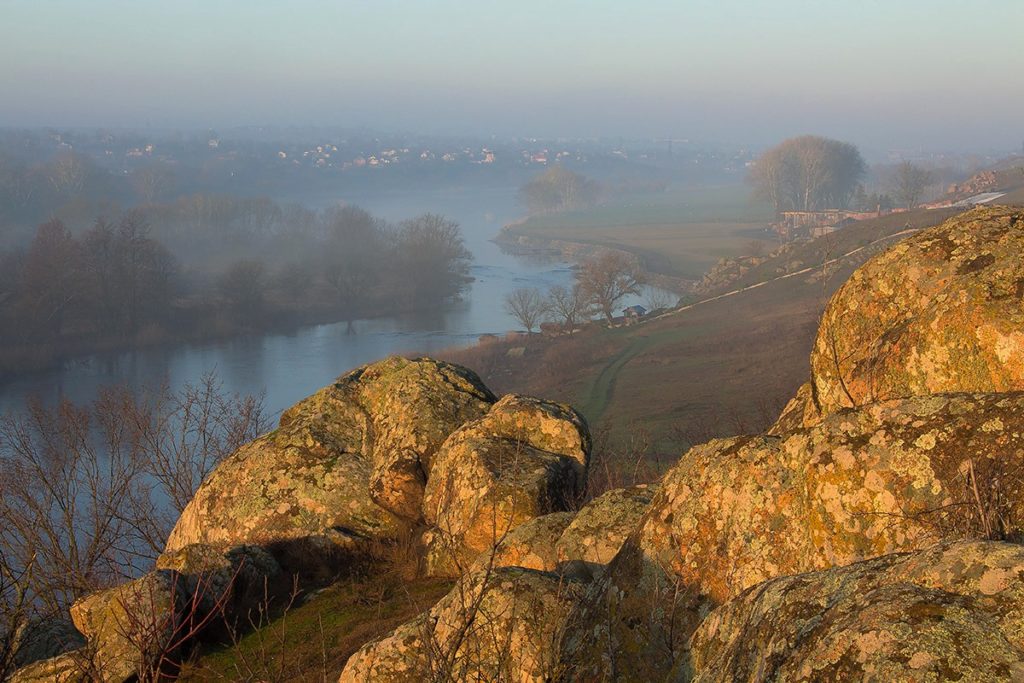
point(634, 312)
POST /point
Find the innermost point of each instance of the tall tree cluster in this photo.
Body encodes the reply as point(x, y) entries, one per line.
point(558, 189)
point(116, 282)
point(808, 173)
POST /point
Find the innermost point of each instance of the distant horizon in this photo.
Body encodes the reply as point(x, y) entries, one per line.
point(916, 75)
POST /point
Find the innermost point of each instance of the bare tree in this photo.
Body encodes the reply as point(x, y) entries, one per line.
point(90, 492)
point(910, 182)
point(568, 306)
point(557, 189)
point(604, 280)
point(808, 173)
point(658, 298)
point(527, 306)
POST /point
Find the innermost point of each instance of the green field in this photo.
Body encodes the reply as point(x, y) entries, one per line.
point(681, 232)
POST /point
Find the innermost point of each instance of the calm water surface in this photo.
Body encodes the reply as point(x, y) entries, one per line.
point(287, 367)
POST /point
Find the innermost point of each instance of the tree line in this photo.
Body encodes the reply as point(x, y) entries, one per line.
point(601, 283)
point(559, 189)
point(812, 173)
point(118, 282)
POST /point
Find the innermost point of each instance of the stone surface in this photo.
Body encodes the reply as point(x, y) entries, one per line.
point(70, 667)
point(893, 476)
point(524, 459)
point(602, 525)
point(942, 311)
point(345, 463)
point(887, 477)
point(130, 627)
point(531, 545)
point(224, 584)
point(953, 612)
point(503, 625)
point(413, 407)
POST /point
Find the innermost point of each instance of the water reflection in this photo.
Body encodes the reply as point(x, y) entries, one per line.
point(286, 367)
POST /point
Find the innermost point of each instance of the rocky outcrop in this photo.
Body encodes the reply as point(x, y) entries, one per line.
point(575, 544)
point(499, 625)
point(939, 312)
point(887, 477)
point(601, 527)
point(524, 459)
point(953, 612)
point(386, 452)
point(844, 544)
point(348, 463)
point(132, 628)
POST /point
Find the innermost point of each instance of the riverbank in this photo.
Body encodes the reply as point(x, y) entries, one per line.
point(676, 236)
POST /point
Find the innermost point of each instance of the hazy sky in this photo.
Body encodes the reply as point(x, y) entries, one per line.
point(935, 73)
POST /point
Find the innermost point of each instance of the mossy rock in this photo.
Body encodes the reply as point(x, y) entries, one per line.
point(501, 624)
point(347, 464)
point(942, 311)
point(951, 612)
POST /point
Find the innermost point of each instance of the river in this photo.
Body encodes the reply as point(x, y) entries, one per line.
point(287, 367)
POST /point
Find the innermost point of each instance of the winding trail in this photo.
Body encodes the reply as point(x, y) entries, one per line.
point(603, 387)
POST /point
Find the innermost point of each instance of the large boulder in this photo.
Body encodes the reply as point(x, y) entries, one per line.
point(413, 406)
point(952, 612)
point(942, 311)
point(524, 459)
point(531, 545)
point(891, 476)
point(504, 624)
point(601, 526)
point(133, 629)
point(346, 464)
point(894, 476)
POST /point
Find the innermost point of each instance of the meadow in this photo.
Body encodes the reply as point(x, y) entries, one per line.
point(680, 232)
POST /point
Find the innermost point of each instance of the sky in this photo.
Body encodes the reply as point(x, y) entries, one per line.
point(938, 74)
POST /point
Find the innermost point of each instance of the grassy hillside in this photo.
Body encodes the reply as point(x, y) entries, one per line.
point(313, 639)
point(681, 232)
point(722, 367)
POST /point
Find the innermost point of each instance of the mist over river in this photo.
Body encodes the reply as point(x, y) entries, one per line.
point(287, 367)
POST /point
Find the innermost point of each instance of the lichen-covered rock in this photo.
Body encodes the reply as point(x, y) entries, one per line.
point(496, 473)
point(798, 411)
point(70, 667)
point(601, 526)
point(129, 628)
point(531, 545)
point(941, 311)
point(344, 464)
point(887, 477)
point(413, 407)
point(574, 542)
point(951, 612)
point(544, 425)
point(502, 625)
point(40, 638)
point(892, 476)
